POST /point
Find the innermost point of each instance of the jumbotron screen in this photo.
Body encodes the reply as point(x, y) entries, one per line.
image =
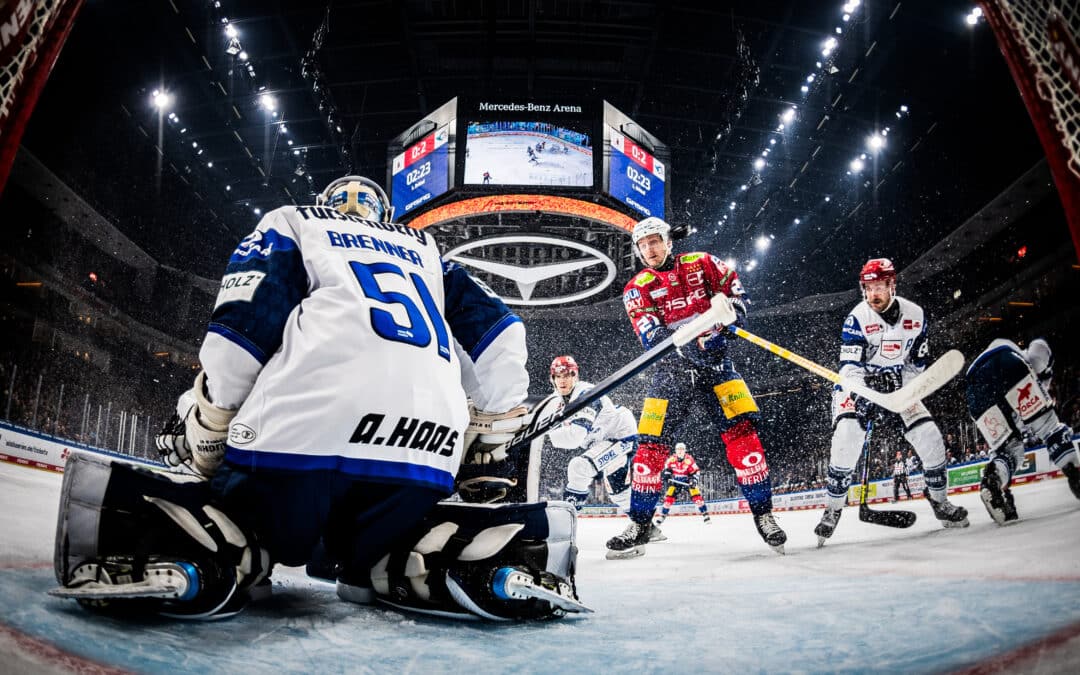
point(528, 153)
point(421, 173)
point(635, 177)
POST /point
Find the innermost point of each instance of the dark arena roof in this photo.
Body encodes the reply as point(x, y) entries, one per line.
point(804, 139)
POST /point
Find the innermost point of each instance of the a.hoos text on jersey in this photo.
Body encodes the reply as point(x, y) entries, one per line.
point(406, 432)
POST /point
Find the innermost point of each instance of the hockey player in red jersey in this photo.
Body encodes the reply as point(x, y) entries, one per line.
point(670, 291)
point(681, 473)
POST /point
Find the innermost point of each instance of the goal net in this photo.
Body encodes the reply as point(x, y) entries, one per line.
point(1039, 41)
point(32, 32)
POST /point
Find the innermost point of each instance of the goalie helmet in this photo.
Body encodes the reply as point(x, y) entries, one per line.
point(646, 227)
point(361, 196)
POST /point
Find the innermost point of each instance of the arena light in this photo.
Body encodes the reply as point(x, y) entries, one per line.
point(751, 265)
point(828, 46)
point(762, 243)
point(743, 188)
point(788, 115)
point(730, 262)
point(759, 164)
point(731, 206)
point(798, 221)
point(161, 99)
point(257, 211)
point(230, 30)
point(232, 47)
point(268, 102)
point(243, 56)
point(857, 165)
point(875, 141)
point(804, 89)
point(772, 141)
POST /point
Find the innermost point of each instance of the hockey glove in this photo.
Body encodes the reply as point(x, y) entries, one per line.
point(885, 381)
point(487, 471)
point(200, 441)
point(665, 475)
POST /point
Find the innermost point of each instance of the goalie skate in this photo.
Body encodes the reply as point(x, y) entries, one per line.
point(511, 583)
point(164, 580)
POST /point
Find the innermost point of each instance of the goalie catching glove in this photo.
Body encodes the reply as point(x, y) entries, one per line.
point(487, 470)
point(196, 433)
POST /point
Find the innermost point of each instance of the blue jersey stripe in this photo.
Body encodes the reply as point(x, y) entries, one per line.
point(492, 333)
point(239, 340)
point(379, 470)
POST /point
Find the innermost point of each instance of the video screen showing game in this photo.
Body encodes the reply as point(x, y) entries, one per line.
point(518, 152)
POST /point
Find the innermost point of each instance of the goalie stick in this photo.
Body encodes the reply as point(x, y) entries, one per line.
point(900, 519)
point(921, 386)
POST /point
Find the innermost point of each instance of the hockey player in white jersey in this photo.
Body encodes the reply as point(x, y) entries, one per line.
point(331, 406)
point(1008, 397)
point(883, 344)
point(605, 432)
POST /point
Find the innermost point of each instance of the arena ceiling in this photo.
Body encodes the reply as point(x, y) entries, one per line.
point(711, 79)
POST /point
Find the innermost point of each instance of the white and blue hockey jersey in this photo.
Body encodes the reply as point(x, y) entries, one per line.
point(869, 343)
point(602, 420)
point(343, 343)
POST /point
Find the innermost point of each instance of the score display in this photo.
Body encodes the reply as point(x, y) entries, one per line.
point(636, 178)
point(421, 172)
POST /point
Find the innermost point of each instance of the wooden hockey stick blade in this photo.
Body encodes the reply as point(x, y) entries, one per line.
point(924, 384)
point(899, 519)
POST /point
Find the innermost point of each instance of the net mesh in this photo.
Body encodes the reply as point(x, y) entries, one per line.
point(1046, 33)
point(14, 72)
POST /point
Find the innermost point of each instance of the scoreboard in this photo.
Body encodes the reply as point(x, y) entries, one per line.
point(421, 172)
point(636, 178)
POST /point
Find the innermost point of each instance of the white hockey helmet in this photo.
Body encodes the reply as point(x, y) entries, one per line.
point(650, 225)
point(1040, 357)
point(680, 447)
point(359, 195)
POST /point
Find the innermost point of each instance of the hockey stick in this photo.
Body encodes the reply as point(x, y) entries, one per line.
point(921, 386)
point(476, 479)
point(899, 519)
point(720, 312)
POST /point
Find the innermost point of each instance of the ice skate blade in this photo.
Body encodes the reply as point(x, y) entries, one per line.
point(167, 581)
point(949, 524)
point(821, 541)
point(635, 552)
point(779, 548)
point(520, 586)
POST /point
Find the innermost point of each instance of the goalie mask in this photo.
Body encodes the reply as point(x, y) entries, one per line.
point(357, 195)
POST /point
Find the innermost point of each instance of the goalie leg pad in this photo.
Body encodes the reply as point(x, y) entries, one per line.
point(132, 539)
point(498, 562)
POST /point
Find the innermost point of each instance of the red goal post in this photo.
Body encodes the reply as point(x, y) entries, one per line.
point(32, 32)
point(1039, 39)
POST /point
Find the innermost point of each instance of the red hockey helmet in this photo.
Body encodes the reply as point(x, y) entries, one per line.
point(564, 365)
point(877, 269)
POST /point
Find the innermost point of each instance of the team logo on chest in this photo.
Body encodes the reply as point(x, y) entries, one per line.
point(891, 349)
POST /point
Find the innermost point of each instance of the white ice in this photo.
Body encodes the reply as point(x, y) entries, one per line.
point(505, 156)
point(712, 598)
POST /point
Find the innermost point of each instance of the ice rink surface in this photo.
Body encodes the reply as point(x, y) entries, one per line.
point(713, 598)
point(506, 157)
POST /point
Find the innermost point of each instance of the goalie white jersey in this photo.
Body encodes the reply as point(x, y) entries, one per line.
point(343, 342)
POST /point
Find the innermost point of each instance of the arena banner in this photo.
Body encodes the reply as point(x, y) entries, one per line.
point(26, 447)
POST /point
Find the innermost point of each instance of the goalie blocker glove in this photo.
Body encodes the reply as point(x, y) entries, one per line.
point(488, 472)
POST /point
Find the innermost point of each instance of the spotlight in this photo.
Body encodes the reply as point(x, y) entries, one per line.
point(856, 165)
point(762, 243)
point(759, 164)
point(267, 101)
point(233, 47)
point(161, 99)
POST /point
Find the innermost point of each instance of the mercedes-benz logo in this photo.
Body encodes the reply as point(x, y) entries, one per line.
point(527, 277)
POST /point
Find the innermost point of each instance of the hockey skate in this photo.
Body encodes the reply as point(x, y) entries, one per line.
point(705, 517)
point(997, 499)
point(631, 543)
point(948, 513)
point(825, 528)
point(770, 532)
point(511, 583)
point(660, 519)
point(175, 589)
point(655, 534)
point(1072, 473)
